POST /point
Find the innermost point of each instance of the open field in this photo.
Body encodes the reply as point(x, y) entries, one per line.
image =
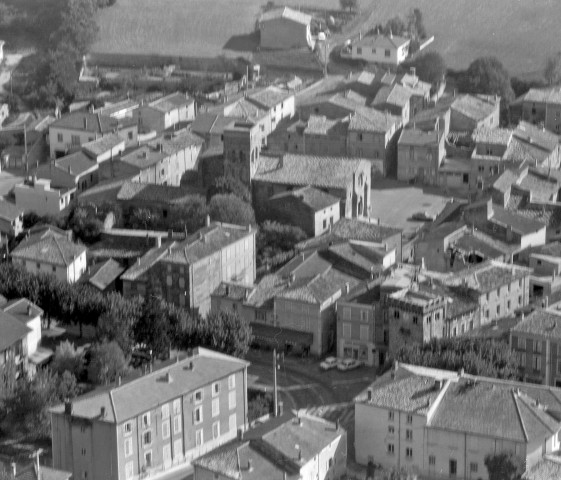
point(521, 33)
point(199, 28)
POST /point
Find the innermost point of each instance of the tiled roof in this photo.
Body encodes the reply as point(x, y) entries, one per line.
point(116, 107)
point(289, 14)
point(366, 258)
point(518, 223)
point(48, 248)
point(177, 143)
point(143, 157)
point(171, 102)
point(505, 181)
point(11, 330)
point(476, 107)
point(19, 309)
point(151, 390)
point(243, 108)
point(542, 95)
point(85, 121)
point(148, 192)
point(9, 211)
point(544, 470)
point(366, 78)
point(416, 137)
point(323, 172)
point(204, 122)
point(383, 41)
point(103, 144)
point(312, 198)
point(76, 163)
point(537, 136)
point(394, 95)
point(45, 473)
point(269, 97)
point(103, 274)
point(541, 322)
point(495, 136)
point(321, 125)
point(233, 291)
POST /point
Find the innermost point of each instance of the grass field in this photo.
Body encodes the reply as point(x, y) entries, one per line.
point(520, 32)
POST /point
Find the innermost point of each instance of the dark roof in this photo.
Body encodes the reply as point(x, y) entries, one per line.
point(101, 275)
point(290, 169)
point(49, 247)
point(9, 211)
point(11, 330)
point(518, 223)
point(233, 291)
point(147, 392)
point(538, 136)
point(312, 198)
point(148, 192)
point(396, 94)
point(543, 323)
point(85, 121)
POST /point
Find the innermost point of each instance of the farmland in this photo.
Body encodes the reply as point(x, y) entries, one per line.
point(520, 32)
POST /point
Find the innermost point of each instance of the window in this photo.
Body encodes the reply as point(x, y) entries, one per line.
point(363, 316)
point(508, 305)
point(198, 415)
point(519, 299)
point(128, 447)
point(364, 332)
point(415, 320)
point(409, 452)
point(387, 53)
point(232, 423)
point(147, 438)
point(391, 448)
point(432, 460)
point(409, 435)
point(165, 429)
point(148, 459)
point(359, 50)
point(215, 430)
point(473, 467)
point(324, 223)
point(59, 137)
point(129, 135)
point(198, 396)
point(346, 313)
point(215, 389)
point(165, 411)
point(127, 428)
point(199, 440)
point(537, 346)
point(177, 424)
point(453, 467)
point(396, 314)
point(38, 266)
point(178, 448)
point(54, 269)
point(83, 452)
point(498, 309)
point(215, 407)
point(391, 415)
point(75, 140)
point(537, 363)
point(346, 330)
point(409, 419)
point(146, 420)
point(231, 382)
point(391, 430)
point(176, 406)
point(232, 400)
point(129, 470)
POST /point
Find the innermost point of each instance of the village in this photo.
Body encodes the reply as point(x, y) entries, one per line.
point(334, 258)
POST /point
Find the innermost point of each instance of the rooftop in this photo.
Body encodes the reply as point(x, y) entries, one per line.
point(289, 14)
point(540, 137)
point(383, 41)
point(85, 121)
point(48, 247)
point(101, 275)
point(171, 102)
point(495, 136)
point(145, 393)
point(8, 211)
point(22, 309)
point(103, 144)
point(310, 197)
point(11, 330)
point(416, 137)
point(546, 323)
point(76, 163)
point(321, 125)
point(542, 95)
point(269, 97)
point(151, 193)
point(396, 94)
point(143, 157)
point(476, 107)
point(323, 172)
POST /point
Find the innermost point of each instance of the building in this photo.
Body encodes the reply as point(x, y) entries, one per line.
point(104, 276)
point(395, 99)
point(160, 421)
point(285, 28)
point(536, 339)
point(279, 103)
point(75, 171)
point(314, 211)
point(30, 315)
point(11, 220)
point(118, 110)
point(472, 112)
point(164, 113)
point(541, 107)
point(295, 447)
point(51, 252)
point(345, 178)
point(385, 49)
point(77, 128)
point(442, 424)
point(13, 343)
point(38, 196)
point(535, 184)
point(188, 271)
point(420, 91)
point(105, 148)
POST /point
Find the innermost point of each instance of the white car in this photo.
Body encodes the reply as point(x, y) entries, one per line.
point(329, 363)
point(348, 364)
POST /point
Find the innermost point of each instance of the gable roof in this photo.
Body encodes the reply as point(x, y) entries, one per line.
point(476, 107)
point(103, 274)
point(143, 157)
point(310, 197)
point(269, 97)
point(11, 330)
point(88, 122)
point(288, 14)
point(76, 163)
point(103, 144)
point(171, 102)
point(544, 323)
point(416, 137)
point(542, 95)
point(19, 308)
point(48, 247)
point(383, 41)
point(396, 94)
point(317, 171)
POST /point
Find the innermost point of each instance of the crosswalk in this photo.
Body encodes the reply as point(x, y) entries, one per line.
point(344, 412)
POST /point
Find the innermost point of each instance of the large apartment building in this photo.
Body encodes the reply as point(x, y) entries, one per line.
point(157, 423)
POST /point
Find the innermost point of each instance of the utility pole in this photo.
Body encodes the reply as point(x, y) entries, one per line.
point(275, 392)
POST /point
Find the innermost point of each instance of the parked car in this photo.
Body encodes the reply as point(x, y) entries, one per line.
point(329, 363)
point(423, 216)
point(348, 364)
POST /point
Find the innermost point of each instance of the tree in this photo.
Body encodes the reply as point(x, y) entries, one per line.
point(258, 406)
point(84, 225)
point(67, 386)
point(63, 71)
point(152, 328)
point(275, 239)
point(505, 466)
point(476, 356)
point(415, 24)
point(395, 26)
point(230, 209)
point(191, 214)
point(78, 25)
point(350, 4)
point(229, 184)
point(107, 363)
point(552, 70)
point(430, 67)
point(68, 359)
point(487, 75)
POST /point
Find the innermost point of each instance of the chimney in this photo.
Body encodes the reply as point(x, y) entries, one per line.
point(169, 378)
point(240, 434)
point(347, 288)
point(454, 93)
point(291, 278)
point(207, 221)
point(249, 465)
point(423, 266)
point(138, 261)
point(186, 232)
point(69, 169)
point(102, 413)
point(191, 366)
point(337, 424)
point(461, 372)
point(299, 455)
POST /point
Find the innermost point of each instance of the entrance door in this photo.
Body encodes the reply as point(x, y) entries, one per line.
point(453, 467)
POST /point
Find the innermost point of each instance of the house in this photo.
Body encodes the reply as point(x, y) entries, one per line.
point(314, 211)
point(385, 49)
point(38, 196)
point(279, 104)
point(51, 252)
point(471, 112)
point(164, 113)
point(545, 282)
point(162, 420)
point(105, 148)
point(11, 220)
point(77, 128)
point(540, 107)
point(104, 276)
point(118, 110)
point(443, 423)
point(190, 270)
point(395, 99)
point(284, 447)
point(420, 154)
point(75, 171)
point(13, 343)
point(420, 91)
point(536, 339)
point(538, 185)
point(318, 135)
point(285, 28)
point(345, 178)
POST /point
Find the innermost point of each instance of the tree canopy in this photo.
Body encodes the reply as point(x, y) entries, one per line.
point(229, 184)
point(505, 466)
point(552, 70)
point(430, 67)
point(349, 4)
point(487, 75)
point(107, 362)
point(230, 209)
